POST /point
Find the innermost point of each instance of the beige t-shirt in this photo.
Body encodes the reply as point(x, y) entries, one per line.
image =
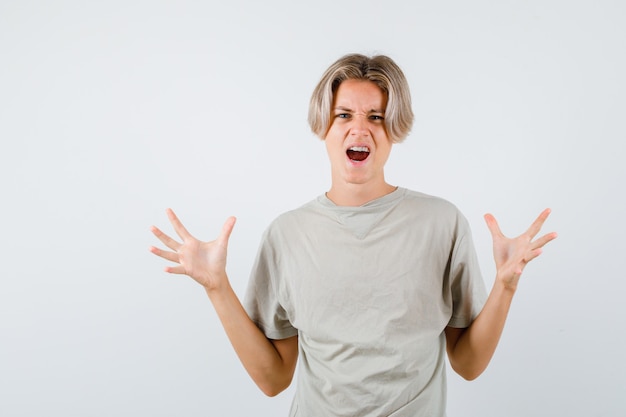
point(369, 291)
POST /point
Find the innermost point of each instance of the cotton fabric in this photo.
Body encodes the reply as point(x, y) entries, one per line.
point(369, 291)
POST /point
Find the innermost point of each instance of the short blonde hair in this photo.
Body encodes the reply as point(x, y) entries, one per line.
point(379, 69)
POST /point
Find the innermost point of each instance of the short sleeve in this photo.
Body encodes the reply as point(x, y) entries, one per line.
point(466, 282)
point(261, 300)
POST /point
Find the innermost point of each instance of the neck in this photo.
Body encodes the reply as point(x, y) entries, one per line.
point(354, 195)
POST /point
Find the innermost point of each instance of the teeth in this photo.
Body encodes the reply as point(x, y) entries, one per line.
point(359, 149)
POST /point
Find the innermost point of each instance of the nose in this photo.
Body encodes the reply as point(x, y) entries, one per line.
point(359, 124)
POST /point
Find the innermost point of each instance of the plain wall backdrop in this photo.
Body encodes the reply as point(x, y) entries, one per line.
point(112, 111)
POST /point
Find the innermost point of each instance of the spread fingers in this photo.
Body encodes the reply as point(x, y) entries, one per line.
point(167, 241)
point(170, 256)
point(543, 240)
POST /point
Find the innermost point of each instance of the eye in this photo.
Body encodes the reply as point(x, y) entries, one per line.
point(343, 115)
point(376, 117)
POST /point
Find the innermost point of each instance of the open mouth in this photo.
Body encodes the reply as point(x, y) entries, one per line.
point(358, 153)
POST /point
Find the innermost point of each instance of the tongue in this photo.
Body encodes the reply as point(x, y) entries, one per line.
point(357, 155)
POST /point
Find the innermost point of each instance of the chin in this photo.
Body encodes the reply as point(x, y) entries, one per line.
point(356, 179)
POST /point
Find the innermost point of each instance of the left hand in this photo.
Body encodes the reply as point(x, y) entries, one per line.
point(513, 254)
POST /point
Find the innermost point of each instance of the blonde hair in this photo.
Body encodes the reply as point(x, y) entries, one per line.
point(379, 69)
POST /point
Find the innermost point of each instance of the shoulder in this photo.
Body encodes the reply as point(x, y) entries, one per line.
point(429, 203)
point(436, 211)
point(298, 213)
point(295, 219)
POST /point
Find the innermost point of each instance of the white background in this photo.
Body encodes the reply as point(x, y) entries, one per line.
point(112, 111)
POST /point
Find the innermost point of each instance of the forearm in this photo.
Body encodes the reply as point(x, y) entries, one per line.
point(259, 356)
point(475, 347)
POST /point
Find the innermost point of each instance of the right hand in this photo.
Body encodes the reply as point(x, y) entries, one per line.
point(205, 262)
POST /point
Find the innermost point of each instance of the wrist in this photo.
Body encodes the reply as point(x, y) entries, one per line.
point(215, 287)
point(505, 285)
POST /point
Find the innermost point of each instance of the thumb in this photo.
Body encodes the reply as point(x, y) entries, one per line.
point(227, 229)
point(493, 226)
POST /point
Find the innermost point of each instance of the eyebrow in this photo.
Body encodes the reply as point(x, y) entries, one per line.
point(341, 108)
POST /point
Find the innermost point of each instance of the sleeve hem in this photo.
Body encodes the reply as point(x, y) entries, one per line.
point(281, 334)
point(277, 334)
point(459, 322)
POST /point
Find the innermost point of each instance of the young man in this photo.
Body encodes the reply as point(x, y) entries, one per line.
point(369, 284)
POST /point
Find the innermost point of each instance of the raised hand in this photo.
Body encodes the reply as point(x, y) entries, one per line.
point(205, 262)
point(513, 254)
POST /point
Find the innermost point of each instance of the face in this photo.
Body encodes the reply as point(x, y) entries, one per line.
point(357, 143)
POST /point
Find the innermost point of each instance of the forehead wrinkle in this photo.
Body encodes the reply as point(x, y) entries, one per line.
point(347, 109)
